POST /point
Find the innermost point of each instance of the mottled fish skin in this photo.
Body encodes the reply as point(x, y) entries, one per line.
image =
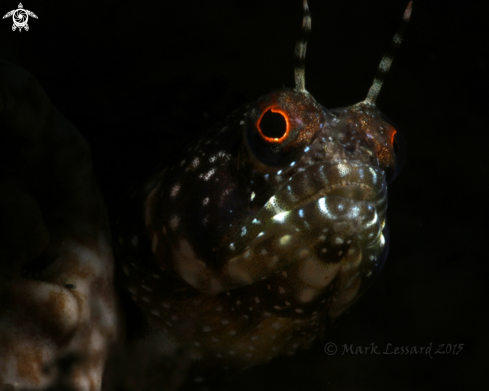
point(256, 243)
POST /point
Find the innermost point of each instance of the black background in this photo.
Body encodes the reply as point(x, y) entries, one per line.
point(126, 72)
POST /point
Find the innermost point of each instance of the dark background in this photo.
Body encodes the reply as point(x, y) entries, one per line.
point(130, 73)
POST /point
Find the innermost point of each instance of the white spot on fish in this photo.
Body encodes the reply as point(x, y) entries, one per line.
point(280, 217)
point(285, 239)
point(175, 189)
point(224, 155)
point(208, 175)
point(322, 206)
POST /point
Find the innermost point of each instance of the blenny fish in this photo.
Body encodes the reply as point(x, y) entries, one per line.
point(266, 229)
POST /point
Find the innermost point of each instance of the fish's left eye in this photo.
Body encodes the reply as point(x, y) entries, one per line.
point(270, 135)
point(273, 125)
point(279, 126)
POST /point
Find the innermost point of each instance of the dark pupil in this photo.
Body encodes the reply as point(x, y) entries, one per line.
point(273, 125)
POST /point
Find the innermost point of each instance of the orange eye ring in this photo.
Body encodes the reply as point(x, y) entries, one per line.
point(277, 110)
point(394, 131)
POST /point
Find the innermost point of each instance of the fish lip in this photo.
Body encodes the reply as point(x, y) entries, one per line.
point(317, 196)
point(369, 192)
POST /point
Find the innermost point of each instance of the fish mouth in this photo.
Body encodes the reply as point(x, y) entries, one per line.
point(349, 190)
point(349, 180)
point(325, 201)
point(327, 194)
point(330, 215)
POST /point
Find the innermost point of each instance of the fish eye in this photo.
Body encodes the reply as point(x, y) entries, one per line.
point(270, 135)
point(400, 151)
point(273, 125)
point(399, 146)
point(279, 126)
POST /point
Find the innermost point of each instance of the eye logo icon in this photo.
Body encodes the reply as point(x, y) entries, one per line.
point(20, 16)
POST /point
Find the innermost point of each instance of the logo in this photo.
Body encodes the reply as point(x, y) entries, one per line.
point(20, 16)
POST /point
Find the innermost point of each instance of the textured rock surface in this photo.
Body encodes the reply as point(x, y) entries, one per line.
point(58, 310)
